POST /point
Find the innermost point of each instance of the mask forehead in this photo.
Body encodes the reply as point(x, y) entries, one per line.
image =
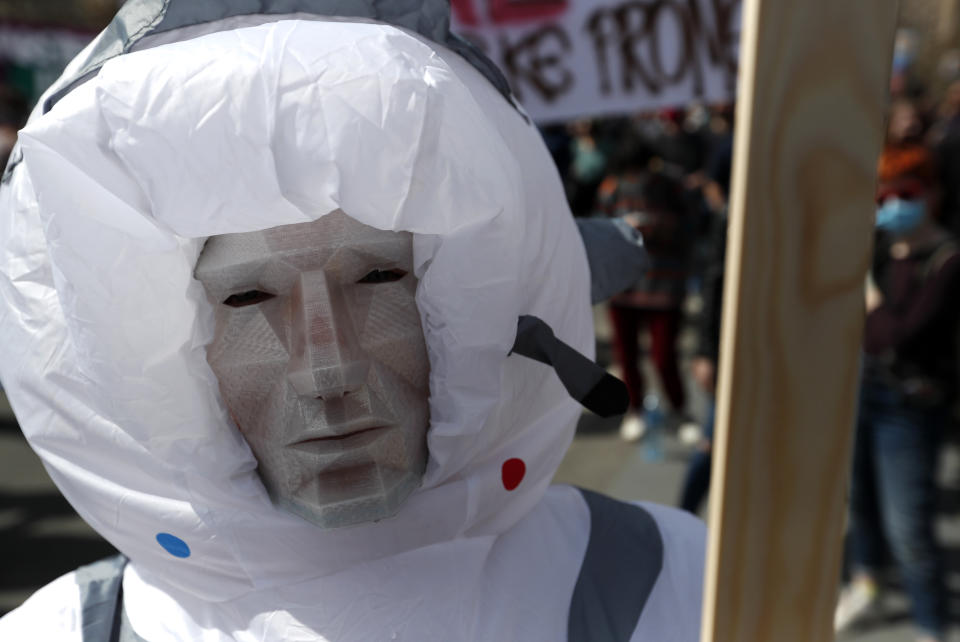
point(331, 232)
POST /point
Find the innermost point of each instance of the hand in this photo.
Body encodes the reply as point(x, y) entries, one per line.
point(873, 296)
point(696, 180)
point(714, 196)
point(632, 219)
point(636, 219)
point(900, 250)
point(704, 372)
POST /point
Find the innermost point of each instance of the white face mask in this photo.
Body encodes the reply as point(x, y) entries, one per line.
point(322, 363)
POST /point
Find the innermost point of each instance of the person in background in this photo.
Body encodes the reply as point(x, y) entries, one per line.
point(654, 203)
point(558, 142)
point(676, 144)
point(703, 367)
point(905, 82)
point(908, 384)
point(587, 165)
point(905, 137)
point(945, 141)
point(13, 115)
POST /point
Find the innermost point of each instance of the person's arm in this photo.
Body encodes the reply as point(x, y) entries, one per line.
point(708, 327)
point(891, 328)
point(703, 367)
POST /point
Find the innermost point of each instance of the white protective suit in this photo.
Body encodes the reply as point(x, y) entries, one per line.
point(255, 121)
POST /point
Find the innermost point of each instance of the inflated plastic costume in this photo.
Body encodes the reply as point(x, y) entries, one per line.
point(137, 360)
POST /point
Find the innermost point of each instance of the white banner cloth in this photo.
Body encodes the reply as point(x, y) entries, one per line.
point(568, 59)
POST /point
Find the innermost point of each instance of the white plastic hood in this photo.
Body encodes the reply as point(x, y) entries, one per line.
point(103, 327)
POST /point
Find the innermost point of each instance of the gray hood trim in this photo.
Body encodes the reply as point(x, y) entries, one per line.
point(140, 18)
point(103, 618)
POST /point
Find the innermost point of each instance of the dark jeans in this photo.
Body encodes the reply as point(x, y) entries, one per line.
point(893, 496)
point(696, 483)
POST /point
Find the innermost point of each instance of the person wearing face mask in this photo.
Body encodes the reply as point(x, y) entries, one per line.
point(294, 311)
point(908, 385)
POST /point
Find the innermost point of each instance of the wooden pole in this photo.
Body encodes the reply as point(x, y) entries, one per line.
point(813, 86)
point(948, 23)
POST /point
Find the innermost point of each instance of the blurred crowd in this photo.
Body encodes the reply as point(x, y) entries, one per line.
point(909, 379)
point(668, 175)
point(14, 109)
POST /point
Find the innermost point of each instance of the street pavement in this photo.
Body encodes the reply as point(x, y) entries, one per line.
point(41, 537)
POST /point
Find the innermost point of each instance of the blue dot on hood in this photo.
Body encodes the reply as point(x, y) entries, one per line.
point(173, 545)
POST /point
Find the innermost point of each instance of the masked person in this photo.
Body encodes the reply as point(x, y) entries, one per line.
point(909, 384)
point(268, 281)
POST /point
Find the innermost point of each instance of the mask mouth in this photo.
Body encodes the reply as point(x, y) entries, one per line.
point(343, 442)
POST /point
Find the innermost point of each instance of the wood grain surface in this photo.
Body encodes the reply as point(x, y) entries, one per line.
point(814, 76)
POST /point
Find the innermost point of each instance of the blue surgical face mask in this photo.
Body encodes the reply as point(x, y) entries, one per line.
point(899, 217)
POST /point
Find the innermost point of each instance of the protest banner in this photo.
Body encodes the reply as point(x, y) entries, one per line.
point(568, 59)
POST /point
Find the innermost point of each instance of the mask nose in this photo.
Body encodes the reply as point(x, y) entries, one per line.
point(326, 360)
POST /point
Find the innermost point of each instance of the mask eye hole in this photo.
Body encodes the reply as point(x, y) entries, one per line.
point(383, 276)
point(250, 297)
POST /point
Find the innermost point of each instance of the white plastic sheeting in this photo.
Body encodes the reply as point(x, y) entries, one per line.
point(104, 329)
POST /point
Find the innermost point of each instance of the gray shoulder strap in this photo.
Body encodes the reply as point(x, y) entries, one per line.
point(140, 18)
point(102, 616)
point(620, 568)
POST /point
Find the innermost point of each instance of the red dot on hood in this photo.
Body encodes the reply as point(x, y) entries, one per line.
point(512, 473)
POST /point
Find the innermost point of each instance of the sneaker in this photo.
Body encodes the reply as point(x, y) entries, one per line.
point(632, 427)
point(858, 602)
point(689, 432)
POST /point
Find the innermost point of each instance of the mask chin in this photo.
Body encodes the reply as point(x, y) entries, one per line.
point(355, 510)
point(900, 217)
